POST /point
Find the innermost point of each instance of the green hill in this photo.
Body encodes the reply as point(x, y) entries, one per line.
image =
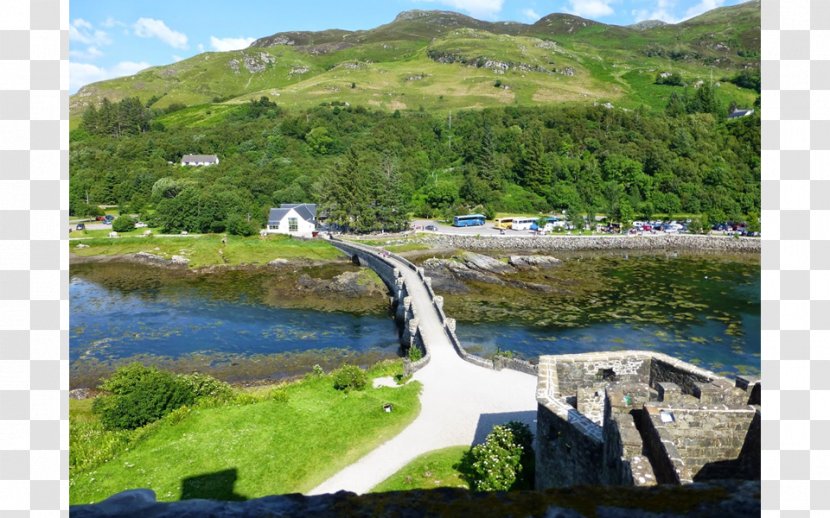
point(439, 60)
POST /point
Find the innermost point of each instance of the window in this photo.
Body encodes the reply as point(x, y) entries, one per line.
point(292, 224)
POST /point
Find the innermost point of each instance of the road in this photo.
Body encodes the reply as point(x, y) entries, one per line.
point(460, 404)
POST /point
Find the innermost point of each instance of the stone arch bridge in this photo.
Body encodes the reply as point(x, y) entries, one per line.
point(463, 395)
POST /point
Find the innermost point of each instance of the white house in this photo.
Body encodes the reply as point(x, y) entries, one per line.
point(742, 112)
point(197, 160)
point(296, 219)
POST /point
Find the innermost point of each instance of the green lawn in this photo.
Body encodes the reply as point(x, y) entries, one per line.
point(439, 468)
point(273, 446)
point(203, 250)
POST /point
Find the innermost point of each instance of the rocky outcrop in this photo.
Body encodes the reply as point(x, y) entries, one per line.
point(736, 499)
point(449, 275)
point(351, 284)
point(485, 263)
point(254, 64)
point(532, 262)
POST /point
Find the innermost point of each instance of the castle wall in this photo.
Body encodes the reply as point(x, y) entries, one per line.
point(569, 455)
point(708, 442)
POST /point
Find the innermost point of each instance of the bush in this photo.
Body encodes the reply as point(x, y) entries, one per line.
point(239, 226)
point(350, 377)
point(123, 224)
point(415, 353)
point(140, 395)
point(505, 459)
point(205, 386)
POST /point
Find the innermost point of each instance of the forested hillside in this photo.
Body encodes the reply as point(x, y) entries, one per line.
point(376, 166)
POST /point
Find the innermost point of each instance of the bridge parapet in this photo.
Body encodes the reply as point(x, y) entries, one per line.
point(394, 279)
point(405, 313)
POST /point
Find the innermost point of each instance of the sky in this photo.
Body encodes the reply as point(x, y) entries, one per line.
point(119, 38)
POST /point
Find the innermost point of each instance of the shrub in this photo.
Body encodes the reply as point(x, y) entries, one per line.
point(239, 226)
point(350, 377)
point(123, 224)
point(140, 395)
point(279, 395)
point(499, 463)
point(205, 386)
point(415, 353)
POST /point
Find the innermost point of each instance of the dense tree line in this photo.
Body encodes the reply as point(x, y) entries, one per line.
point(368, 169)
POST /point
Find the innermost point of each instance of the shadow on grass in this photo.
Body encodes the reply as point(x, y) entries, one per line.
point(212, 486)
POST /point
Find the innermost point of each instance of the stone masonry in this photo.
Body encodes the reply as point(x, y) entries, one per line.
point(642, 418)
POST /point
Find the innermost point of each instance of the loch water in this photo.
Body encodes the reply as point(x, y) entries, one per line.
point(703, 308)
point(241, 326)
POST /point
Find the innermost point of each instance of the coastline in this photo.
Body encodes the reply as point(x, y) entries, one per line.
point(584, 243)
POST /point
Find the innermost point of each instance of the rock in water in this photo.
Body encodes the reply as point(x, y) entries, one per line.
point(486, 263)
point(533, 261)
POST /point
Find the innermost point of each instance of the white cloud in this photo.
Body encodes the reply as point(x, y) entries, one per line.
point(111, 22)
point(476, 8)
point(702, 7)
point(663, 11)
point(591, 8)
point(531, 15)
point(152, 28)
point(177, 58)
point(89, 53)
point(81, 31)
point(81, 74)
point(226, 44)
point(200, 47)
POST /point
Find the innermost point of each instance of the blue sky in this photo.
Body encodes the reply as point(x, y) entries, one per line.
point(117, 38)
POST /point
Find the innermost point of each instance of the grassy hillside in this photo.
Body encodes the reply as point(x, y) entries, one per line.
point(439, 60)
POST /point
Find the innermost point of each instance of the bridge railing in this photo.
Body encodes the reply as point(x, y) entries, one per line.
point(448, 324)
point(410, 367)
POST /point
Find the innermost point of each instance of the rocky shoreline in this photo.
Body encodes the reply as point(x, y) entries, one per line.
point(576, 243)
point(181, 262)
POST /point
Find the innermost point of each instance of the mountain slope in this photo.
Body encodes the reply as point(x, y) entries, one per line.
point(441, 60)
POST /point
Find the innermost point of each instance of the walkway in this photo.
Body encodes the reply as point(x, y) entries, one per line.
point(460, 403)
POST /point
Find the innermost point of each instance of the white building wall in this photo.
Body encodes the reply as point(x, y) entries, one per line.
point(304, 228)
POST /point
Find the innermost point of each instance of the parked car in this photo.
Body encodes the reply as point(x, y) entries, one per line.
point(140, 224)
point(80, 226)
point(109, 217)
point(99, 218)
point(431, 228)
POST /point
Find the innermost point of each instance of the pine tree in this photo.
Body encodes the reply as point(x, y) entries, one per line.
point(534, 172)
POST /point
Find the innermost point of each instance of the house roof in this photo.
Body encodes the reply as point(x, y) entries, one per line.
point(200, 158)
point(276, 215)
point(307, 211)
point(740, 113)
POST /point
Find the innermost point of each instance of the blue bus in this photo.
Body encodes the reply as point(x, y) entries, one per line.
point(470, 220)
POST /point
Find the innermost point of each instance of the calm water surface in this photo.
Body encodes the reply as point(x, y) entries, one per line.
point(701, 308)
point(227, 322)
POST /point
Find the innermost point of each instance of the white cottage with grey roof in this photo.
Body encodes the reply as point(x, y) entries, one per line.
point(296, 219)
point(197, 160)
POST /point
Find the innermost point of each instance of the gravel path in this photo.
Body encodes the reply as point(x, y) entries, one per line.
point(460, 404)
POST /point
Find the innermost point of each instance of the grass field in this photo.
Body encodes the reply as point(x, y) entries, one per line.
point(204, 250)
point(439, 468)
point(235, 452)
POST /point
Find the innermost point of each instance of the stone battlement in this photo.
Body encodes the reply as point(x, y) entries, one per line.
point(642, 418)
